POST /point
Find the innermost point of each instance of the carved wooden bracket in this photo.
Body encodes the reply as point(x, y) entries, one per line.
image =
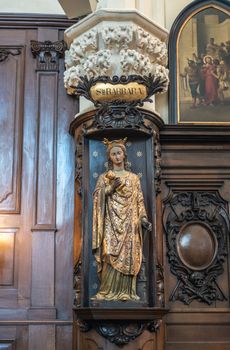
point(120, 333)
point(119, 114)
point(110, 323)
point(47, 54)
point(196, 225)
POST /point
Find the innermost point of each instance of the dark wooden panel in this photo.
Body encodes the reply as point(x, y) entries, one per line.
point(7, 345)
point(206, 333)
point(14, 338)
point(19, 20)
point(9, 249)
point(42, 337)
point(37, 274)
point(64, 338)
point(197, 345)
point(11, 113)
point(11, 38)
point(196, 159)
point(21, 341)
point(42, 313)
point(149, 345)
point(9, 307)
point(46, 150)
point(93, 341)
point(9, 334)
point(67, 108)
point(42, 293)
point(7, 257)
point(198, 316)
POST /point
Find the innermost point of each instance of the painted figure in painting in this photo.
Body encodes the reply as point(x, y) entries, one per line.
point(223, 80)
point(203, 56)
point(212, 49)
point(118, 219)
point(209, 72)
point(191, 71)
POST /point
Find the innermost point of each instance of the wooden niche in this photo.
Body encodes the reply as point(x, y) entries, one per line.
point(97, 322)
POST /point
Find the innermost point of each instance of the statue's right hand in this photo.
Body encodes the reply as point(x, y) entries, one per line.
point(116, 183)
point(113, 185)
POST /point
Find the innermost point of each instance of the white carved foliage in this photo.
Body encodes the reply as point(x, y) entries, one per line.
point(119, 36)
point(81, 47)
point(97, 64)
point(133, 62)
point(115, 49)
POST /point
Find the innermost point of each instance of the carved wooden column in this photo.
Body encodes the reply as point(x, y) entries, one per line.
point(47, 56)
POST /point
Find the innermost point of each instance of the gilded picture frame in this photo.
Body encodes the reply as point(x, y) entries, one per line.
point(199, 53)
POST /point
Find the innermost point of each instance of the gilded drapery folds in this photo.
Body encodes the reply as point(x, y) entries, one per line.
point(117, 235)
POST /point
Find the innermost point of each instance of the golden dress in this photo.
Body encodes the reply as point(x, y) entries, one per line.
point(117, 235)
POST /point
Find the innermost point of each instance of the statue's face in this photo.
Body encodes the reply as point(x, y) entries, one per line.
point(117, 155)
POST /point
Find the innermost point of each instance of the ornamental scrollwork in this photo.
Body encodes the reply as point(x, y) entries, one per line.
point(157, 158)
point(77, 283)
point(120, 118)
point(120, 333)
point(196, 225)
point(153, 85)
point(121, 114)
point(78, 162)
point(47, 53)
point(160, 284)
point(6, 52)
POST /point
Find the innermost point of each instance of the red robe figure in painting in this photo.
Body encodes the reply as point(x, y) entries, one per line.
point(211, 81)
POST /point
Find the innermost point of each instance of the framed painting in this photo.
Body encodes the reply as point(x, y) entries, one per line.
point(200, 64)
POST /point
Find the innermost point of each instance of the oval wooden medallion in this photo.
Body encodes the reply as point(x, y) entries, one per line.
point(196, 246)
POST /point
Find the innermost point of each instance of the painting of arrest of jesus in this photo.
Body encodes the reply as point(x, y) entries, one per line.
point(203, 61)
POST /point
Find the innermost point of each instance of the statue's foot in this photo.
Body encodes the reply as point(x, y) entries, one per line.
point(98, 296)
point(125, 297)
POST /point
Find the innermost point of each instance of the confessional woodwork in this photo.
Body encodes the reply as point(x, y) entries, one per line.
point(195, 159)
point(191, 187)
point(36, 189)
point(40, 233)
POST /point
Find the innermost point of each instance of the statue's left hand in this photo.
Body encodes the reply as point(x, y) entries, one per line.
point(146, 224)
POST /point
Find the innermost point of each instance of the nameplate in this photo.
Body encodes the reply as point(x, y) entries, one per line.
point(106, 92)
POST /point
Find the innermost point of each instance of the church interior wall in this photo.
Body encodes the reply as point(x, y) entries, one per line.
point(168, 9)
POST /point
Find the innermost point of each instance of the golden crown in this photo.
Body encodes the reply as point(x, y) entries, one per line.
point(114, 143)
